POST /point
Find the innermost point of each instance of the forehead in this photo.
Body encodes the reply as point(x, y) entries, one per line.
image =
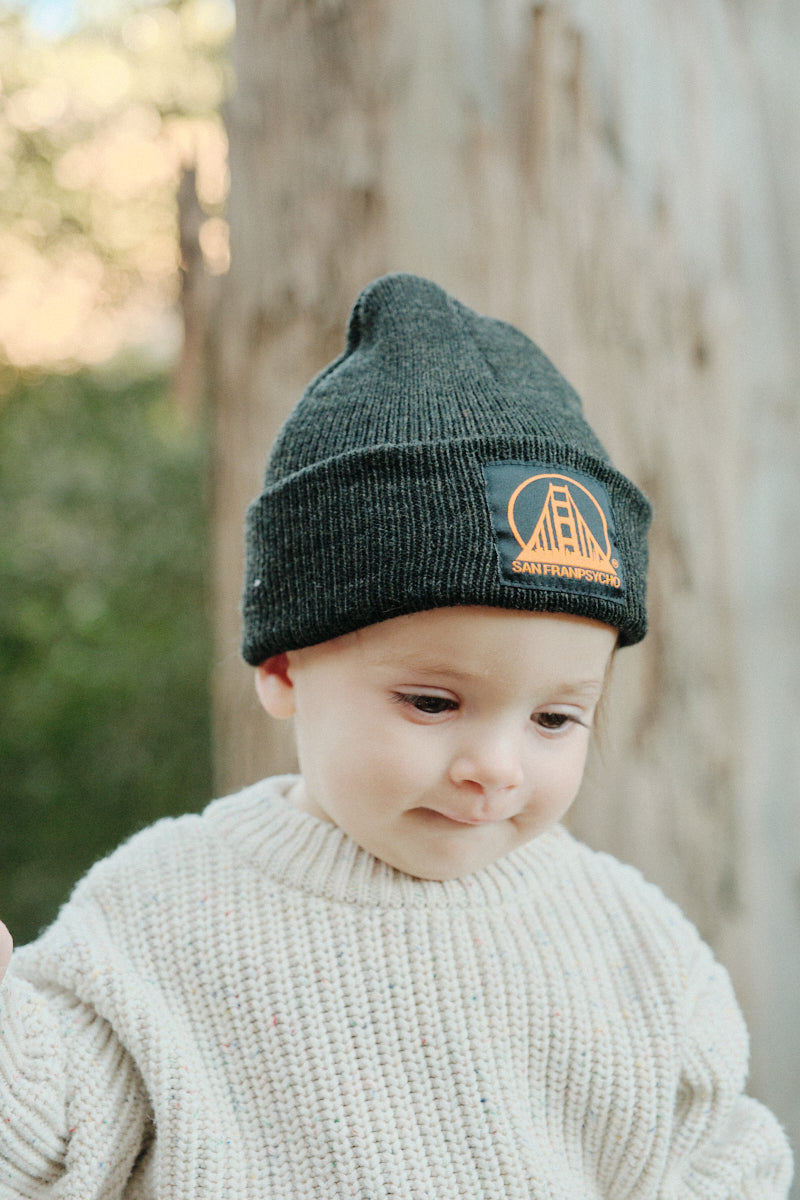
point(468, 642)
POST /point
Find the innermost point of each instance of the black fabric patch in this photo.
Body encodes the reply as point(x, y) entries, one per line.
point(554, 530)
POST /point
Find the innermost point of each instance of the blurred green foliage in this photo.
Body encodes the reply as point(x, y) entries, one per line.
point(104, 628)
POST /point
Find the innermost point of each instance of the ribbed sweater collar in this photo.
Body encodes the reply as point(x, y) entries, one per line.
point(312, 856)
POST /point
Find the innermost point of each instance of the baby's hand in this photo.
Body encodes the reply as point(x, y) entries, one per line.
point(6, 946)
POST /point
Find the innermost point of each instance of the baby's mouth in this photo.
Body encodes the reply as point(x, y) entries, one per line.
point(434, 814)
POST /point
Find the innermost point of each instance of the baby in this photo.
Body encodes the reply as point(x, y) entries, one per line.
point(396, 974)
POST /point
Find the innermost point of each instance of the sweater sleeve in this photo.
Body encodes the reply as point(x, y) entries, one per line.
point(33, 1125)
point(726, 1146)
point(72, 1111)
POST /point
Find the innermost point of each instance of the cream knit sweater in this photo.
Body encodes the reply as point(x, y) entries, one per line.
point(245, 1004)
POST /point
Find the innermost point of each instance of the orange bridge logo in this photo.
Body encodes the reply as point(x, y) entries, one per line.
point(553, 530)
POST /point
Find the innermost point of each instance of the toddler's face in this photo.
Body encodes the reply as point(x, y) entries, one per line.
point(442, 740)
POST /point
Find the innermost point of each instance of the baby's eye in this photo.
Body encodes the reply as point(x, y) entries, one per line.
point(430, 705)
point(552, 720)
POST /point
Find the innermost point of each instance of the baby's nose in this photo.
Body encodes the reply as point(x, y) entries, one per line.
point(490, 761)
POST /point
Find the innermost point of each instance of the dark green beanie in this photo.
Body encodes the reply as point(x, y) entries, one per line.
point(441, 459)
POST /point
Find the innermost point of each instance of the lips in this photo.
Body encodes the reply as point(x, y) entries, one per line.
point(454, 819)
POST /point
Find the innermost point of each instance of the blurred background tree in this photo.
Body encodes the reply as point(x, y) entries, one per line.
point(104, 619)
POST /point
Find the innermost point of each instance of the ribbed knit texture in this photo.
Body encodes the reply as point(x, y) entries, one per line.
point(374, 501)
point(245, 1004)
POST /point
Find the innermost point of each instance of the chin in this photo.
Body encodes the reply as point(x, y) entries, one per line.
point(441, 872)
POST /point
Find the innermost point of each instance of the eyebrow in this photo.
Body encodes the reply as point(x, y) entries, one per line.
point(586, 687)
point(590, 688)
point(423, 666)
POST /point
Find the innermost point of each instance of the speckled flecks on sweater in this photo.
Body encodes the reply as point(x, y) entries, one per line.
point(245, 1004)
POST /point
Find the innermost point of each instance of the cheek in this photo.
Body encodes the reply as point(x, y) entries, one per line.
point(562, 776)
point(573, 772)
point(399, 757)
point(384, 761)
point(363, 755)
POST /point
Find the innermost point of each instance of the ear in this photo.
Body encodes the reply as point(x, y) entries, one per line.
point(274, 687)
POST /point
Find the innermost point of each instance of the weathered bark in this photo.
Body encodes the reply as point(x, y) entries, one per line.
point(601, 176)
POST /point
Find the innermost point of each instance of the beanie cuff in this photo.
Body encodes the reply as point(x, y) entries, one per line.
point(380, 532)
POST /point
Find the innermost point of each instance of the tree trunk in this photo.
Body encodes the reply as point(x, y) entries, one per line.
point(610, 179)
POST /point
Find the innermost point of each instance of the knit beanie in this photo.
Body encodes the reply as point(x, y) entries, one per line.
point(441, 459)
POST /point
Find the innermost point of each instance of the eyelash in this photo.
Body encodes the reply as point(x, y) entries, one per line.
point(435, 706)
point(423, 703)
point(562, 721)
